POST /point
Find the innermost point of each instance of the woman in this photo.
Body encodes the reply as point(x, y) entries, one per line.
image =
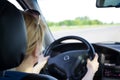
point(35, 34)
point(34, 43)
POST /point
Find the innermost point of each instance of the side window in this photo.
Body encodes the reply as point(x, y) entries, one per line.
point(16, 4)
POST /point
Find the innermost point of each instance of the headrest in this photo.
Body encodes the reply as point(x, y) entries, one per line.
point(12, 36)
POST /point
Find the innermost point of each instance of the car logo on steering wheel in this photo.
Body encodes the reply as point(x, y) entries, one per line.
point(66, 57)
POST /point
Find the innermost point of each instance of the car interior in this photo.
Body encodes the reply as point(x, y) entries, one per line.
point(68, 55)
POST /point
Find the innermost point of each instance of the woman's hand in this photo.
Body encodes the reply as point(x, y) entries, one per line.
point(41, 62)
point(92, 67)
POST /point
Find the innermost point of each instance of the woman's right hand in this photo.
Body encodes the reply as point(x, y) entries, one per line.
point(92, 67)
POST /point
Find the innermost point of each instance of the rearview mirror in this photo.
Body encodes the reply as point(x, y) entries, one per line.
point(107, 3)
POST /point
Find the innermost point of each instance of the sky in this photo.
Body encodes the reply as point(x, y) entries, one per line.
point(58, 10)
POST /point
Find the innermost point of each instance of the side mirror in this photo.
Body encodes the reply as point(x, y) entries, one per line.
point(107, 3)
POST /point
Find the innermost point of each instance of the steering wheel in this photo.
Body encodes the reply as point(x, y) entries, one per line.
point(71, 63)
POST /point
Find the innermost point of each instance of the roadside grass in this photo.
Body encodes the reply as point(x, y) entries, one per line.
point(59, 28)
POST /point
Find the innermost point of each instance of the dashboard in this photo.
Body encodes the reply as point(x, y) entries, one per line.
point(109, 61)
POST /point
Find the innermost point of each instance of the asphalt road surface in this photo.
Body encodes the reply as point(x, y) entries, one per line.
point(101, 34)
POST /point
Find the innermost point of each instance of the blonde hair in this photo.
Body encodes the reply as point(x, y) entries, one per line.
point(35, 31)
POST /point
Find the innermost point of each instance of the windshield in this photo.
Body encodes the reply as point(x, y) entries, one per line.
point(82, 18)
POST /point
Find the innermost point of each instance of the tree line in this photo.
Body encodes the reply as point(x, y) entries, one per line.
point(76, 22)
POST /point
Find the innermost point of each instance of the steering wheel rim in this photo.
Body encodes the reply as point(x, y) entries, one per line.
point(75, 57)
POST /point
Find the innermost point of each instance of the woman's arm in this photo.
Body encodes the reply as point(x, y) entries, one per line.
point(92, 67)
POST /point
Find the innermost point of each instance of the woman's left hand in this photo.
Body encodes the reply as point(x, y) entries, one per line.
point(41, 62)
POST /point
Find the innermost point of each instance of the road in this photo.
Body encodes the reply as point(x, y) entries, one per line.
point(101, 34)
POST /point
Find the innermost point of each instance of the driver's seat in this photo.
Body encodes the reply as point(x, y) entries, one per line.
point(13, 44)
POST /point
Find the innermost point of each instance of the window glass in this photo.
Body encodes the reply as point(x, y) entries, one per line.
point(112, 2)
point(82, 18)
point(14, 2)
